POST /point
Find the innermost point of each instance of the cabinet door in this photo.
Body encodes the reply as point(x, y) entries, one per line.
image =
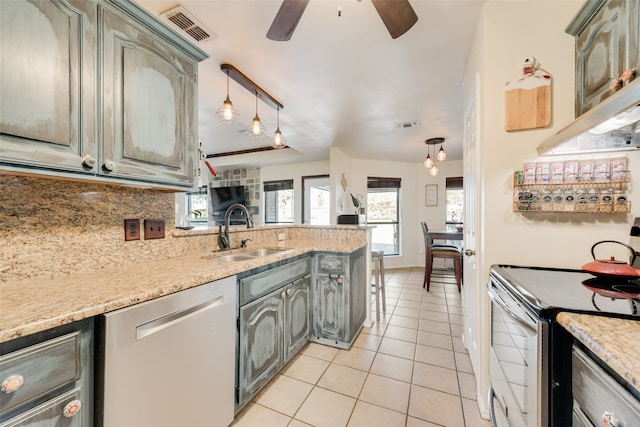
point(329, 307)
point(48, 85)
point(149, 111)
point(601, 54)
point(297, 325)
point(62, 411)
point(261, 335)
point(357, 292)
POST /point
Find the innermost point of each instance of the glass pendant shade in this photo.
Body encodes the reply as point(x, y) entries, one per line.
point(227, 113)
point(434, 170)
point(278, 140)
point(256, 128)
point(442, 156)
point(428, 163)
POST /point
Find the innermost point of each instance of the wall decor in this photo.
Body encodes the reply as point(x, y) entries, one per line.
point(431, 194)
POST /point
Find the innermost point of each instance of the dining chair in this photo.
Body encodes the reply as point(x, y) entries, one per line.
point(440, 251)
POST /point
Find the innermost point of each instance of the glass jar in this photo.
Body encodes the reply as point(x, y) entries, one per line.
point(585, 170)
point(558, 200)
point(593, 200)
point(569, 198)
point(619, 201)
point(581, 200)
point(606, 201)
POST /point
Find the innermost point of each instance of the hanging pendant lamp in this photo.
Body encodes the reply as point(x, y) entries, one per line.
point(256, 128)
point(442, 156)
point(278, 140)
point(227, 113)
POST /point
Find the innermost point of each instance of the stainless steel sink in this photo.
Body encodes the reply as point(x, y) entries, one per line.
point(264, 252)
point(246, 256)
point(232, 257)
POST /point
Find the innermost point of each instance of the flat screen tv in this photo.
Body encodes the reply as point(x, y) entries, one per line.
point(223, 197)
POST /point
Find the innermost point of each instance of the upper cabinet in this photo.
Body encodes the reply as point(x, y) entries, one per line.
point(606, 33)
point(84, 54)
point(48, 85)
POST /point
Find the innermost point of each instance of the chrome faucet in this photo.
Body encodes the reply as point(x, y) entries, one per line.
point(223, 239)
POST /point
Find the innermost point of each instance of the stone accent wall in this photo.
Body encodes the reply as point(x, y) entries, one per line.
point(249, 177)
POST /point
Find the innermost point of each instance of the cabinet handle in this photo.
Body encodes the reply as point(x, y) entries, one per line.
point(71, 408)
point(339, 280)
point(289, 291)
point(610, 420)
point(12, 383)
point(283, 294)
point(88, 161)
point(109, 165)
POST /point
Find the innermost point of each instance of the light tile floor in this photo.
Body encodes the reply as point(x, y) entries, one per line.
point(410, 369)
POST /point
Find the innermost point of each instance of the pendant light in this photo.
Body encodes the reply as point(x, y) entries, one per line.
point(278, 140)
point(227, 113)
point(434, 170)
point(442, 156)
point(256, 128)
point(428, 162)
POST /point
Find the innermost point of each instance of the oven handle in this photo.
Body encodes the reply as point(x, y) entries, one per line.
point(517, 318)
point(492, 411)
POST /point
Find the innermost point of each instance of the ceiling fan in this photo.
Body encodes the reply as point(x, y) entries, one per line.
point(398, 16)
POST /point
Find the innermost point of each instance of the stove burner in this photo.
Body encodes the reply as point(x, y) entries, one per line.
point(629, 290)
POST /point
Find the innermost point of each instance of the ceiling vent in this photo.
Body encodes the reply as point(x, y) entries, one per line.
point(187, 25)
point(405, 125)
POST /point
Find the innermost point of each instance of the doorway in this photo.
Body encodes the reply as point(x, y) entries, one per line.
point(316, 200)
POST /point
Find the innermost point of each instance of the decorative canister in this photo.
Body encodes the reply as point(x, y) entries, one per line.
point(585, 170)
point(606, 201)
point(593, 200)
point(619, 201)
point(619, 168)
point(570, 171)
point(581, 200)
point(601, 170)
point(569, 198)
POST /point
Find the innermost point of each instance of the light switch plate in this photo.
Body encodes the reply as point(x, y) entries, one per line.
point(153, 229)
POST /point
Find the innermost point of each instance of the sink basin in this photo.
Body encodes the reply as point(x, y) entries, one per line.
point(264, 252)
point(233, 257)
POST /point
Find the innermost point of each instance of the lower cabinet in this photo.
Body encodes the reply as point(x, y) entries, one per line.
point(272, 327)
point(339, 297)
point(47, 378)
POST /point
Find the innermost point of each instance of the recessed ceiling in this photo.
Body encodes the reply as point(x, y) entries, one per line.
point(343, 80)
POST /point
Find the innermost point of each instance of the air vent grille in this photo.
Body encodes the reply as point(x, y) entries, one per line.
point(186, 24)
point(405, 125)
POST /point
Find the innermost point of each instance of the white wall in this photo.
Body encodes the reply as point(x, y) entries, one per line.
point(294, 171)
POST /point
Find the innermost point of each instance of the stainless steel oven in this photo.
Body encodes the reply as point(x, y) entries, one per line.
point(518, 354)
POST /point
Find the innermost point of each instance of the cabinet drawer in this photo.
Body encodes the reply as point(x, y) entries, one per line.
point(64, 410)
point(41, 368)
point(595, 391)
point(256, 285)
point(330, 263)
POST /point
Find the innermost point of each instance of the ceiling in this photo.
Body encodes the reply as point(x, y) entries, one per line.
point(343, 81)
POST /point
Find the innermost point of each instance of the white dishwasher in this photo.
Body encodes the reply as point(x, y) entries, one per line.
point(170, 361)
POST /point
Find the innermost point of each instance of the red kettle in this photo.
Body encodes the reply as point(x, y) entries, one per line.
point(612, 268)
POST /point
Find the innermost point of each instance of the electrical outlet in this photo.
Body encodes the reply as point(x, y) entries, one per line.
point(153, 229)
point(131, 229)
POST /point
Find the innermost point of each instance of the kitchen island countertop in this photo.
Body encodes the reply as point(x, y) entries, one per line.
point(615, 341)
point(30, 306)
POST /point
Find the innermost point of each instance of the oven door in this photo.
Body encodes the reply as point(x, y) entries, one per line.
point(517, 362)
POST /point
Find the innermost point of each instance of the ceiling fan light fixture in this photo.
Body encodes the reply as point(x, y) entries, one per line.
point(227, 113)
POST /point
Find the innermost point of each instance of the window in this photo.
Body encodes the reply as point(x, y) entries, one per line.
point(197, 206)
point(454, 202)
point(316, 197)
point(383, 211)
point(278, 201)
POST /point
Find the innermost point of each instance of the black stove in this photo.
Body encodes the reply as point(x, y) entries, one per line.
point(547, 291)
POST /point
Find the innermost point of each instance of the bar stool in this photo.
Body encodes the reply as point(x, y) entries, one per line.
point(377, 258)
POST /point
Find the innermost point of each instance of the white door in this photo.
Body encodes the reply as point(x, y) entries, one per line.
point(472, 238)
point(317, 198)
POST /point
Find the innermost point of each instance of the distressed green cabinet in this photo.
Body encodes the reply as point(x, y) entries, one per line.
point(607, 43)
point(339, 297)
point(97, 90)
point(47, 378)
point(273, 323)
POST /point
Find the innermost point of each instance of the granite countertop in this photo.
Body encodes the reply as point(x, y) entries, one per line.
point(615, 341)
point(30, 306)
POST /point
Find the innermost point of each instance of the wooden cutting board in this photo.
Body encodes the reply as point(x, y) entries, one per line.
point(528, 102)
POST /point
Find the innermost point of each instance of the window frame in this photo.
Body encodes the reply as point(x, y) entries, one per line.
point(455, 183)
point(387, 183)
point(274, 187)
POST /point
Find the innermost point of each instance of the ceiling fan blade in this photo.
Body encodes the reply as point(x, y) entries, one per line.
point(286, 19)
point(398, 15)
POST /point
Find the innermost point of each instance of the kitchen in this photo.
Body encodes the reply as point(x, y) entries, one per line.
point(37, 236)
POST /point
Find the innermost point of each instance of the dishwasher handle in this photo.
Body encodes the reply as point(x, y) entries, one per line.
point(164, 322)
